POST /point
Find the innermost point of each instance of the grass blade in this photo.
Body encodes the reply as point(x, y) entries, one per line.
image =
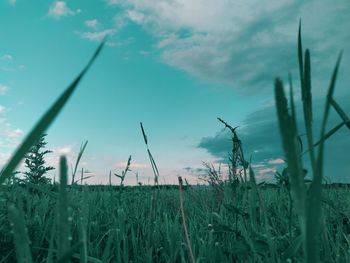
point(307, 107)
point(341, 112)
point(291, 148)
point(45, 122)
point(314, 214)
point(143, 133)
point(300, 56)
point(153, 163)
point(21, 239)
point(330, 133)
point(82, 149)
point(63, 220)
point(69, 253)
point(291, 99)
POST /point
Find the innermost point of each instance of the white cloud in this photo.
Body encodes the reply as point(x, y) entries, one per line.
point(59, 9)
point(6, 57)
point(276, 161)
point(2, 109)
point(241, 43)
point(12, 2)
point(4, 157)
point(16, 133)
point(136, 16)
point(133, 165)
point(3, 89)
point(97, 35)
point(93, 23)
point(9, 136)
point(64, 150)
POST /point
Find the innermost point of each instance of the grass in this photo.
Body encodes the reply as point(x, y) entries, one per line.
point(245, 222)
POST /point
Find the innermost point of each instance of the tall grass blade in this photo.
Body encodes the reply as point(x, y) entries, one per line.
point(184, 223)
point(314, 213)
point(300, 56)
point(291, 148)
point(21, 239)
point(341, 112)
point(291, 99)
point(82, 149)
point(143, 133)
point(307, 107)
point(330, 133)
point(253, 197)
point(45, 121)
point(153, 163)
point(63, 216)
point(83, 240)
point(328, 102)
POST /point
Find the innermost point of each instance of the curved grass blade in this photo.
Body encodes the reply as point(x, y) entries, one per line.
point(330, 133)
point(45, 121)
point(21, 239)
point(314, 211)
point(341, 112)
point(82, 149)
point(153, 163)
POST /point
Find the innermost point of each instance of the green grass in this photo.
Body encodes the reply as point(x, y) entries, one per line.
point(246, 222)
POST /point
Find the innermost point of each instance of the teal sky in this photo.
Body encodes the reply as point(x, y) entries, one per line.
point(174, 65)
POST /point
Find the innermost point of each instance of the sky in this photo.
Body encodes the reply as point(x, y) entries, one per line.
point(175, 66)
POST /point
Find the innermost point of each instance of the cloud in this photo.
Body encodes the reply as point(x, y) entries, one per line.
point(6, 57)
point(93, 23)
point(133, 165)
point(243, 44)
point(7, 63)
point(64, 150)
point(9, 136)
point(3, 89)
point(14, 134)
point(261, 140)
point(2, 109)
point(59, 9)
point(276, 161)
point(12, 2)
point(97, 36)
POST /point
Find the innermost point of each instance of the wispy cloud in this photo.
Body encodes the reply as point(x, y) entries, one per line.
point(9, 136)
point(133, 165)
point(3, 89)
point(276, 161)
point(6, 57)
point(12, 2)
point(60, 9)
point(97, 36)
point(243, 44)
point(93, 23)
point(2, 109)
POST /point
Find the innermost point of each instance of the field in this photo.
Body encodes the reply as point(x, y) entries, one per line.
point(144, 224)
point(233, 219)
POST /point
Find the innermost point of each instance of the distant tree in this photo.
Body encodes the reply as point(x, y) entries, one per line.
point(35, 162)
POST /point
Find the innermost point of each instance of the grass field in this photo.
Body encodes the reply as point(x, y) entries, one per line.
point(144, 224)
point(227, 221)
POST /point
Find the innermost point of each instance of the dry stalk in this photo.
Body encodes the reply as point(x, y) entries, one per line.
point(184, 222)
